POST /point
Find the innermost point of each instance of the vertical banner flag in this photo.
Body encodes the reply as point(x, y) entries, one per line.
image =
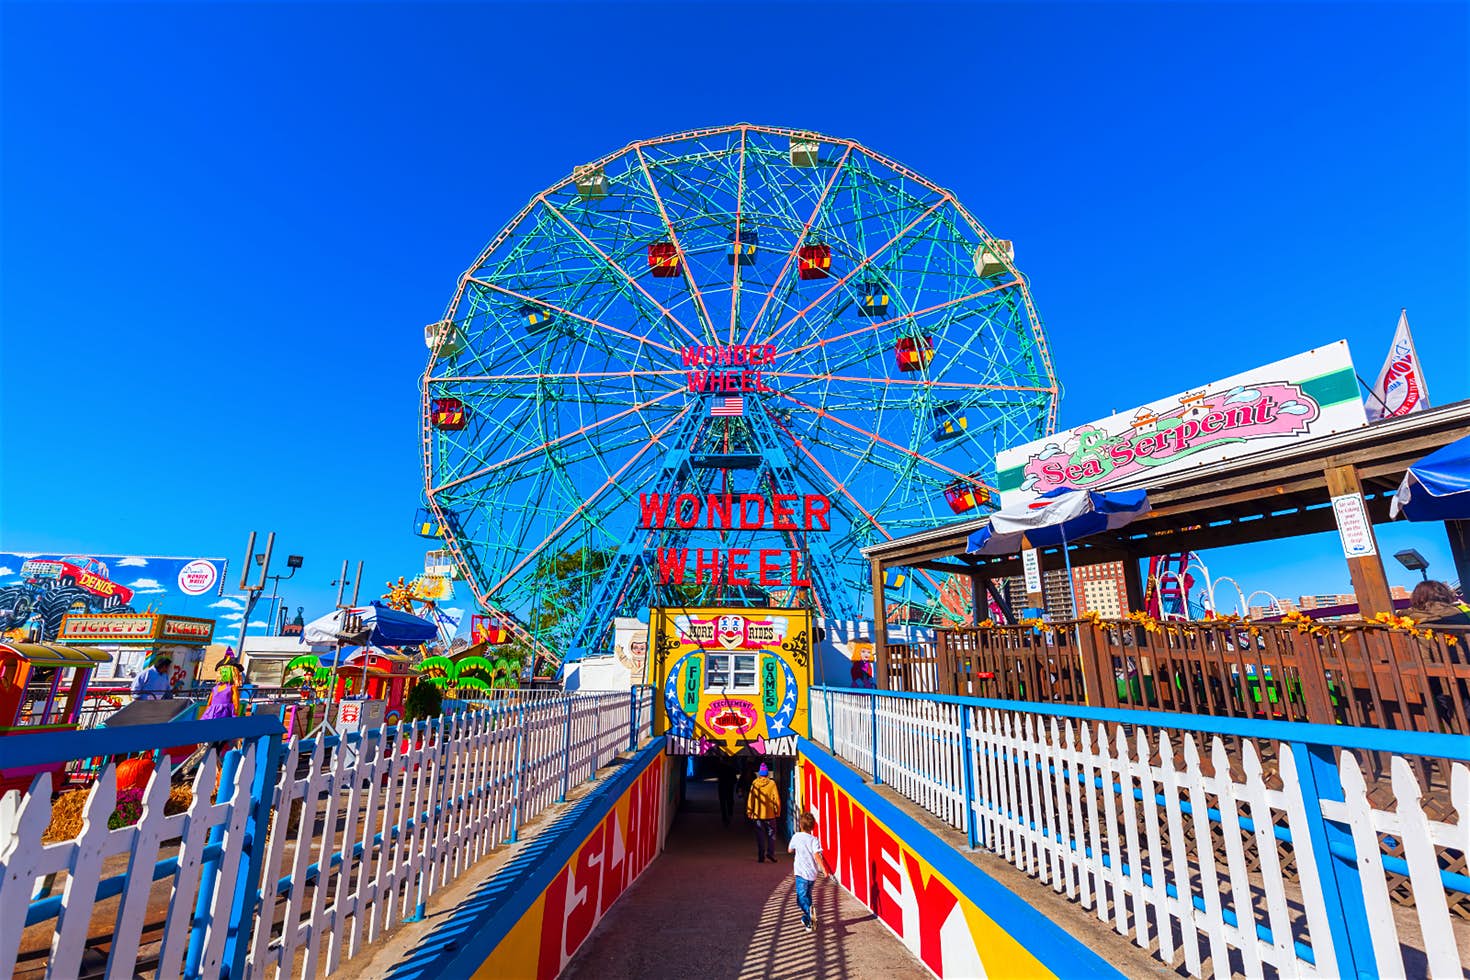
point(1400, 387)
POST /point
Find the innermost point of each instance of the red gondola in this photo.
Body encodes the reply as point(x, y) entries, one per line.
point(914, 353)
point(488, 629)
point(962, 496)
point(663, 260)
point(449, 414)
point(814, 261)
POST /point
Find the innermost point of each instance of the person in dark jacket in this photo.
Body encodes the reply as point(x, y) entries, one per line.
point(726, 776)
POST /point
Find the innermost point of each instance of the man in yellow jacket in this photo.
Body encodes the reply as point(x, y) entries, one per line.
point(763, 806)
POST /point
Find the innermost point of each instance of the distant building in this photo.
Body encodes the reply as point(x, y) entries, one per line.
point(1101, 589)
point(1328, 600)
point(1055, 595)
point(1398, 592)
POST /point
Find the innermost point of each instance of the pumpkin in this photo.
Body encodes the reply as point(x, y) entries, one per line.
point(134, 773)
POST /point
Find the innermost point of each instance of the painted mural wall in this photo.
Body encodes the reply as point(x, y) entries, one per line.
point(624, 841)
point(731, 680)
point(954, 917)
point(846, 655)
point(37, 590)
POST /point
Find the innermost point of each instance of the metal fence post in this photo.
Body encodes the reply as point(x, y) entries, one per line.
point(204, 917)
point(633, 700)
point(968, 757)
point(249, 891)
point(1342, 886)
point(566, 755)
point(831, 743)
point(520, 765)
point(873, 713)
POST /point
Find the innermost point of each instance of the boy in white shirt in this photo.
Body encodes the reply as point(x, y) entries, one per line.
point(809, 865)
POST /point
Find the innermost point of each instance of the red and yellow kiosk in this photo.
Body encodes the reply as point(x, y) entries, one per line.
point(41, 690)
point(730, 680)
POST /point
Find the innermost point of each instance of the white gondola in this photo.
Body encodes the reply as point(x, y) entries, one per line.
point(591, 182)
point(990, 262)
point(443, 338)
point(440, 564)
point(804, 152)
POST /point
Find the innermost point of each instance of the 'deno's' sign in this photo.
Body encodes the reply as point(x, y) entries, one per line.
point(1293, 400)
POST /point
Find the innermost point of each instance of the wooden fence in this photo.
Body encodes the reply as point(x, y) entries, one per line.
point(304, 851)
point(1173, 830)
point(1350, 674)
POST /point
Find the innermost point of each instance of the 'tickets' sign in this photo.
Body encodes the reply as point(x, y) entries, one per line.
point(1293, 400)
point(123, 628)
point(198, 631)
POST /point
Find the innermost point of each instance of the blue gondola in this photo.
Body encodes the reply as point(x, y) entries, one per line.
point(537, 318)
point(744, 252)
point(874, 300)
point(894, 578)
point(426, 525)
point(950, 421)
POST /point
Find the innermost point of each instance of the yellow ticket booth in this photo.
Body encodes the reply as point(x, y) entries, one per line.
point(730, 680)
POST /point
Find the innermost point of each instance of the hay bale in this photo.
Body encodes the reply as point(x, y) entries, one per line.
point(66, 817)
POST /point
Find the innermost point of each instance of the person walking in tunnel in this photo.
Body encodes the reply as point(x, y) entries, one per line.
point(809, 864)
point(763, 807)
point(726, 777)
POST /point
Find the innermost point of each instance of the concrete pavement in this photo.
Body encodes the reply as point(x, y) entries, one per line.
point(706, 910)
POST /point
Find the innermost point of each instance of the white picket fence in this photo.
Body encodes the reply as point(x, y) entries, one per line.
point(1218, 873)
point(357, 840)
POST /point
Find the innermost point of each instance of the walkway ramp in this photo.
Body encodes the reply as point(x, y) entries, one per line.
point(707, 909)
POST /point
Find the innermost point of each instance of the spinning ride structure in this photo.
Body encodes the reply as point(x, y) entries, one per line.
point(866, 338)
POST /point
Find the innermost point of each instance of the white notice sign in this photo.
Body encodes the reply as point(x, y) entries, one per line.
point(1031, 566)
point(1353, 526)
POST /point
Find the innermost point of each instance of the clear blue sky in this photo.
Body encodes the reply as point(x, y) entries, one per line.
point(226, 224)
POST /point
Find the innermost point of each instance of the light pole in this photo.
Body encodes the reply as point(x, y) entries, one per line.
point(293, 562)
point(1414, 562)
point(252, 592)
point(342, 627)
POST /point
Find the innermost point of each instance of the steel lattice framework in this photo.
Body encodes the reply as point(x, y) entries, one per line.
point(898, 371)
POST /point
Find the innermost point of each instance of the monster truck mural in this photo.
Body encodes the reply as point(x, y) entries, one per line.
point(37, 590)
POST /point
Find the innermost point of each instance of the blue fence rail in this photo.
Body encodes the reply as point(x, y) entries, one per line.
point(462, 781)
point(1096, 801)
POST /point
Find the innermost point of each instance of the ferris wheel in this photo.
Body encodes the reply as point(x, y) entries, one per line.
point(737, 310)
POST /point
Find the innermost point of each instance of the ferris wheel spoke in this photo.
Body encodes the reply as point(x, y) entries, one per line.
point(781, 277)
point(621, 271)
point(563, 376)
point(564, 311)
point(902, 382)
point(842, 488)
point(571, 518)
point(911, 315)
point(501, 464)
point(679, 248)
point(873, 436)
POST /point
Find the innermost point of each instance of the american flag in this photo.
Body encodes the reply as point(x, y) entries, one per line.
point(727, 407)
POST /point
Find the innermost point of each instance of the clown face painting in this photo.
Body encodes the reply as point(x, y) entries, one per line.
point(730, 632)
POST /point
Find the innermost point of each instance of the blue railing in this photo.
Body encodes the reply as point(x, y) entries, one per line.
point(1314, 749)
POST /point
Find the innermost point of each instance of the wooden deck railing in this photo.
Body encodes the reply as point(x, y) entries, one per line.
point(1353, 673)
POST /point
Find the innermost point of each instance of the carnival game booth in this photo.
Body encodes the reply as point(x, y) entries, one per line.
point(372, 674)
point(42, 687)
point(130, 640)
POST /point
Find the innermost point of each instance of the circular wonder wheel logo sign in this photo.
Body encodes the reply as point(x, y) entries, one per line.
point(198, 577)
